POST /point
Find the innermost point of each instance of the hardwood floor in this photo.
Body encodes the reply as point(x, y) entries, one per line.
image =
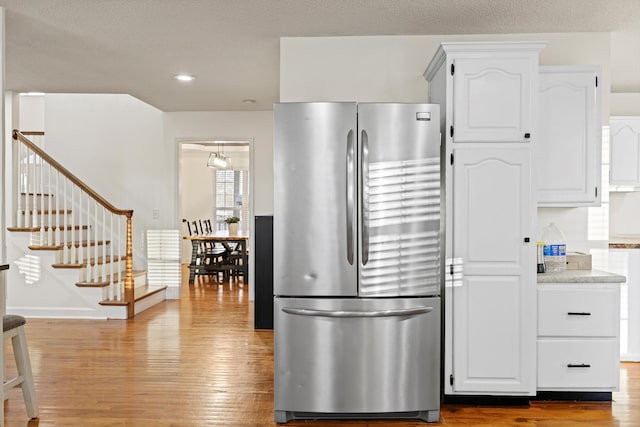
point(198, 361)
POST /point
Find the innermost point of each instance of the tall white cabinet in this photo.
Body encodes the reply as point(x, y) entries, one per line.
point(624, 148)
point(568, 147)
point(488, 96)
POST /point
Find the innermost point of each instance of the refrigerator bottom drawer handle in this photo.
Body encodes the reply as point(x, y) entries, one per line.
point(354, 314)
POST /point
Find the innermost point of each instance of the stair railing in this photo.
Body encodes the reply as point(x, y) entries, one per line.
point(62, 212)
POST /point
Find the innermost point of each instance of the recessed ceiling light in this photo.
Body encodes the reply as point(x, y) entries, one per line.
point(184, 77)
point(248, 101)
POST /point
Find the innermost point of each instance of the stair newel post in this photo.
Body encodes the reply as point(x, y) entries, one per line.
point(128, 280)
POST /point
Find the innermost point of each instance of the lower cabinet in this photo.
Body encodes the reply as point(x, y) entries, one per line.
point(578, 337)
point(491, 318)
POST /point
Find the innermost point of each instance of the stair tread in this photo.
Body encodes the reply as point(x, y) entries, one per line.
point(46, 211)
point(107, 279)
point(23, 229)
point(47, 228)
point(77, 244)
point(36, 194)
point(91, 261)
point(140, 293)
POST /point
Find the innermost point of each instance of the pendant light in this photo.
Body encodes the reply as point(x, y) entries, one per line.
point(218, 160)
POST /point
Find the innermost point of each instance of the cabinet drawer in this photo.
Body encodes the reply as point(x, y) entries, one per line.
point(578, 364)
point(578, 312)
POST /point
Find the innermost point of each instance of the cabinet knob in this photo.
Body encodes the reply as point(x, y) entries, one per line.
point(527, 135)
point(527, 240)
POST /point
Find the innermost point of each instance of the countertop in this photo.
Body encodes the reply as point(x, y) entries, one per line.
point(580, 276)
point(626, 241)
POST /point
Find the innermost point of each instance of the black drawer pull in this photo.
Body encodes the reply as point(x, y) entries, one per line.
point(576, 313)
point(581, 365)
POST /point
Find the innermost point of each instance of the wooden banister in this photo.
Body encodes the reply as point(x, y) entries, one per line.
point(128, 294)
point(20, 136)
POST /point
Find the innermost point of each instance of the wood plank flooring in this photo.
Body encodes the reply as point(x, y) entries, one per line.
point(198, 362)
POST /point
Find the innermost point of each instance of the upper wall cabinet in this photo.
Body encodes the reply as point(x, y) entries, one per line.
point(625, 151)
point(492, 96)
point(567, 150)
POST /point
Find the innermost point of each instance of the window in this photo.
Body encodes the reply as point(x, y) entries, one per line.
point(231, 198)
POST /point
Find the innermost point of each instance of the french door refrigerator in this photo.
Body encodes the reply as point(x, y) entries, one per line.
point(357, 261)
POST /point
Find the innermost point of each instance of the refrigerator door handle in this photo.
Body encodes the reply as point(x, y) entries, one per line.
point(364, 194)
point(351, 198)
point(355, 314)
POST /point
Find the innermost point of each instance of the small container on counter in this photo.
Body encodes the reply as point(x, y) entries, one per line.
point(541, 266)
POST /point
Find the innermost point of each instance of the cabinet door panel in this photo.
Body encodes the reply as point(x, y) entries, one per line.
point(625, 151)
point(569, 142)
point(492, 209)
point(494, 327)
point(492, 98)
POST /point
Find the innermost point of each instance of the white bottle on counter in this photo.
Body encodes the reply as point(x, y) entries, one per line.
point(555, 249)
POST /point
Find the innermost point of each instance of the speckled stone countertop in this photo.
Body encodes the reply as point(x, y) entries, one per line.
point(624, 242)
point(580, 276)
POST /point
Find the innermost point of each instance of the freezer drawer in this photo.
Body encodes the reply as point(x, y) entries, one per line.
point(357, 357)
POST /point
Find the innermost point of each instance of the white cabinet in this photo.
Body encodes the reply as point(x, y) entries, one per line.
point(488, 98)
point(624, 151)
point(578, 337)
point(568, 147)
point(496, 91)
point(494, 327)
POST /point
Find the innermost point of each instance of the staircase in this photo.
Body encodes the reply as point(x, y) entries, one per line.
point(70, 249)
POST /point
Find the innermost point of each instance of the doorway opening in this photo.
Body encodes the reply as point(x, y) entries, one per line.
point(216, 183)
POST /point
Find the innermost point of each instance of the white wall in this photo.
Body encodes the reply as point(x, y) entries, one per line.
point(389, 69)
point(114, 143)
point(31, 113)
point(196, 186)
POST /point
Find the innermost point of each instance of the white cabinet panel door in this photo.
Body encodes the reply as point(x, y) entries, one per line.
point(494, 334)
point(625, 151)
point(493, 99)
point(568, 144)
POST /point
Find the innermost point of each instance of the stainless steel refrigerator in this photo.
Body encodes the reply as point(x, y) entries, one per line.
point(357, 261)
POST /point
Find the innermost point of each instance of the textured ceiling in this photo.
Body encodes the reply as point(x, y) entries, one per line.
point(232, 46)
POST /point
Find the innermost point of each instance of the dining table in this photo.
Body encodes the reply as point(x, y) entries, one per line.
point(231, 242)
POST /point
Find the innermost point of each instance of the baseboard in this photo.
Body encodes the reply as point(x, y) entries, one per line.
point(58, 313)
